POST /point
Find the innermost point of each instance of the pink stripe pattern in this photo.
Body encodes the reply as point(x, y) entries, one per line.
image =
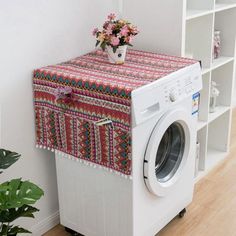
point(94, 89)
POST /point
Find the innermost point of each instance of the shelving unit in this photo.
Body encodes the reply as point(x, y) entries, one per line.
point(191, 14)
point(224, 6)
point(189, 31)
point(197, 9)
point(221, 61)
point(213, 128)
point(214, 134)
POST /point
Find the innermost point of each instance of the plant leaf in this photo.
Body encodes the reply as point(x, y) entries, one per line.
point(7, 158)
point(12, 214)
point(114, 49)
point(18, 193)
point(103, 45)
point(97, 43)
point(3, 188)
point(3, 231)
point(16, 229)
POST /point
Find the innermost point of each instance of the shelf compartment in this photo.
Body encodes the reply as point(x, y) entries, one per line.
point(225, 23)
point(196, 8)
point(224, 6)
point(218, 141)
point(204, 100)
point(221, 61)
point(201, 124)
point(202, 140)
point(223, 76)
point(200, 175)
point(191, 13)
point(214, 157)
point(219, 111)
point(205, 70)
point(195, 28)
point(219, 132)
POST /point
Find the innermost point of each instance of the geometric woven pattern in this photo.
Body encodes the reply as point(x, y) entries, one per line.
point(97, 90)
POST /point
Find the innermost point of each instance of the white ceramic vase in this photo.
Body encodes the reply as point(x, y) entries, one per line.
point(117, 57)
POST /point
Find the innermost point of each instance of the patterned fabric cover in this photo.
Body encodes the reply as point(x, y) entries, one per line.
point(71, 97)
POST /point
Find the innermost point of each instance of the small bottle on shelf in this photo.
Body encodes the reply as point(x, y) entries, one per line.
point(217, 43)
point(213, 96)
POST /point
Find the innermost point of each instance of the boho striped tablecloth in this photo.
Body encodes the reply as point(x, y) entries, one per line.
point(83, 106)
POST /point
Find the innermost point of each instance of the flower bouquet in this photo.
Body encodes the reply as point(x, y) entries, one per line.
point(115, 36)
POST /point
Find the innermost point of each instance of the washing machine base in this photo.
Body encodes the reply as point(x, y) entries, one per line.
point(74, 233)
point(182, 213)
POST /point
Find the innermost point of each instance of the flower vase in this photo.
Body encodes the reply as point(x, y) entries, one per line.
point(117, 57)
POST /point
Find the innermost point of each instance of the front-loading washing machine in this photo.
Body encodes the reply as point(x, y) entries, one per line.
point(99, 203)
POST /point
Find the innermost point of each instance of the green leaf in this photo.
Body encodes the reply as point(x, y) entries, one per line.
point(12, 214)
point(12, 231)
point(97, 43)
point(4, 230)
point(18, 193)
point(7, 158)
point(103, 45)
point(114, 49)
point(9, 230)
point(3, 188)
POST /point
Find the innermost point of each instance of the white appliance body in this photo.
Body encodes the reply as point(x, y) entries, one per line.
point(95, 202)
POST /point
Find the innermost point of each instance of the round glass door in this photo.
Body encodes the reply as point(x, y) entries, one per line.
point(170, 152)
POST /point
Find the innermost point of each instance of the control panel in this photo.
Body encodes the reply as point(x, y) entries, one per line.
point(178, 89)
point(153, 98)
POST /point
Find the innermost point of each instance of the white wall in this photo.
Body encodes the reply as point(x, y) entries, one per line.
point(34, 34)
point(155, 35)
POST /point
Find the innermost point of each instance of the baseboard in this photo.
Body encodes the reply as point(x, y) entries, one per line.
point(45, 225)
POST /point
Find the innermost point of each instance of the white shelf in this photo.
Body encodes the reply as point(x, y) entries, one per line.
point(214, 157)
point(201, 124)
point(219, 111)
point(224, 6)
point(198, 39)
point(200, 175)
point(221, 61)
point(191, 13)
point(205, 70)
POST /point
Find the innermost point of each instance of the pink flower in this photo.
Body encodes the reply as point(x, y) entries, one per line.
point(106, 23)
point(124, 30)
point(115, 41)
point(129, 39)
point(61, 93)
point(109, 29)
point(95, 31)
point(134, 30)
point(111, 16)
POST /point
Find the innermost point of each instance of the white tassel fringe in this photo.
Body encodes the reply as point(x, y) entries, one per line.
point(87, 163)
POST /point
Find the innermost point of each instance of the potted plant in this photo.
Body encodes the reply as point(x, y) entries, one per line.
point(115, 36)
point(16, 198)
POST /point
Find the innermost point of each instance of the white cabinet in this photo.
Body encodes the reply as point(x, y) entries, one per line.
point(186, 28)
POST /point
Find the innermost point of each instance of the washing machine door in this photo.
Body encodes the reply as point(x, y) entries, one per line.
point(167, 151)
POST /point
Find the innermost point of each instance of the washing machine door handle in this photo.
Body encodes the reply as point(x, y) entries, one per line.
point(168, 151)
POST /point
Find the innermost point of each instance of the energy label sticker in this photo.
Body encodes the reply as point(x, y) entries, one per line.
point(195, 103)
